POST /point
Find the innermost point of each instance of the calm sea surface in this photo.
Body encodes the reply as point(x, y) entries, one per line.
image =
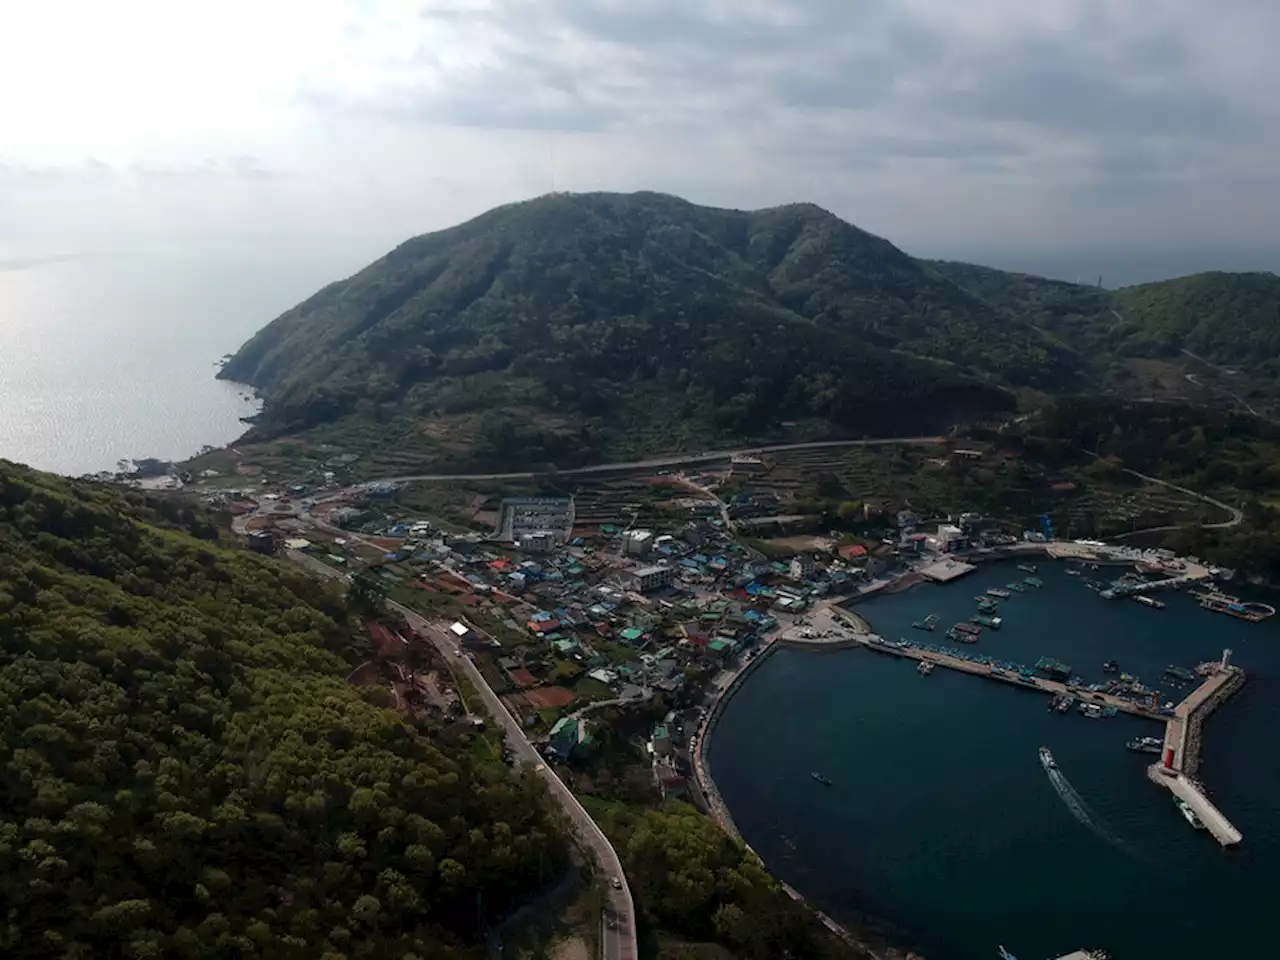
point(941, 820)
point(107, 358)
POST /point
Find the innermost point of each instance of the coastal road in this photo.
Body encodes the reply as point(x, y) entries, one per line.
point(619, 929)
point(669, 460)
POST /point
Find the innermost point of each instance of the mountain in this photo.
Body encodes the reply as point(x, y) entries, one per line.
point(185, 772)
point(1227, 318)
point(571, 325)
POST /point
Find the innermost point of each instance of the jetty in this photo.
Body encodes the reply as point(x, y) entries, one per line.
point(1181, 759)
point(1183, 723)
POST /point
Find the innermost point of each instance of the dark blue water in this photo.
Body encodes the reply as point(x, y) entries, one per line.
point(941, 820)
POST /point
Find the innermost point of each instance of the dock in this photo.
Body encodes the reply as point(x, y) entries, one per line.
point(910, 651)
point(1182, 727)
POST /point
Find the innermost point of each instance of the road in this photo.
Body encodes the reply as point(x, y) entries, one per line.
point(670, 460)
point(619, 931)
point(1236, 514)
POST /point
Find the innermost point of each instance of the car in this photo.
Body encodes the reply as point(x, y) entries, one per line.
point(615, 883)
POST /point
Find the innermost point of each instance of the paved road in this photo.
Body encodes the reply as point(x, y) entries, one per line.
point(619, 932)
point(670, 460)
point(1237, 515)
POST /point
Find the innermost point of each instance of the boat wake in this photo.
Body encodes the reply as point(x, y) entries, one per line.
point(1081, 811)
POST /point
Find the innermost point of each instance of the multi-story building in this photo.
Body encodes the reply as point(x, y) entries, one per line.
point(651, 578)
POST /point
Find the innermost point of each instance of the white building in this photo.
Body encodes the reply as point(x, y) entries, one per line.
point(801, 567)
point(651, 578)
point(636, 543)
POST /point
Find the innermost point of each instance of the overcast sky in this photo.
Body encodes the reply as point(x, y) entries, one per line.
point(1056, 131)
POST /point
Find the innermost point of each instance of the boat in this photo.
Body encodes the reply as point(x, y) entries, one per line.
point(820, 778)
point(1072, 572)
point(1151, 602)
point(925, 668)
point(959, 636)
point(1234, 607)
point(1033, 581)
point(1027, 567)
point(985, 621)
point(968, 628)
point(987, 606)
point(928, 623)
point(1110, 666)
point(1015, 586)
point(1046, 759)
point(1066, 703)
point(1145, 745)
point(998, 593)
point(1090, 710)
point(1180, 673)
point(1188, 814)
point(1005, 954)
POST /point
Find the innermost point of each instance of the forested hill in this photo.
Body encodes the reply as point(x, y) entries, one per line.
point(185, 773)
point(603, 310)
point(1226, 318)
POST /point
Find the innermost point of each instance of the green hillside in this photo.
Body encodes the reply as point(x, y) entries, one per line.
point(185, 773)
point(584, 321)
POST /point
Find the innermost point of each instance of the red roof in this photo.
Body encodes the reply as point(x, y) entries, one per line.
point(853, 550)
point(500, 564)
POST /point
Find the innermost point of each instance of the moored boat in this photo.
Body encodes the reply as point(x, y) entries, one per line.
point(1151, 602)
point(999, 593)
point(925, 668)
point(1110, 666)
point(1033, 582)
point(969, 628)
point(985, 621)
point(1145, 744)
point(1015, 586)
point(1188, 814)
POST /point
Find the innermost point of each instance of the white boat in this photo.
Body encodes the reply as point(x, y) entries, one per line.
point(1046, 759)
point(1188, 814)
point(925, 668)
point(1151, 602)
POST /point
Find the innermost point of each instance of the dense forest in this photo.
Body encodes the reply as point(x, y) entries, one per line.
point(581, 313)
point(185, 773)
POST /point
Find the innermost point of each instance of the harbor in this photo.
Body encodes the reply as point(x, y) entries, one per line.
point(876, 725)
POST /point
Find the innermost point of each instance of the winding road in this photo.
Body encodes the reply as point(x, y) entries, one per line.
point(619, 927)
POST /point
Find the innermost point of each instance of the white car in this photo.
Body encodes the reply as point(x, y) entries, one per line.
point(615, 883)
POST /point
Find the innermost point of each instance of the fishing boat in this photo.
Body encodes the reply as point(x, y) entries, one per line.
point(959, 636)
point(820, 778)
point(1180, 673)
point(1066, 703)
point(999, 593)
point(1145, 745)
point(1027, 567)
point(1234, 607)
point(1046, 759)
point(1188, 814)
point(987, 605)
point(928, 623)
point(1072, 572)
point(985, 621)
point(1110, 666)
point(1005, 954)
point(1015, 586)
point(968, 628)
point(1151, 602)
point(1033, 582)
point(925, 668)
point(1090, 710)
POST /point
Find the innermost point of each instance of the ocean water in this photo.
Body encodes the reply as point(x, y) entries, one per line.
point(114, 357)
point(941, 822)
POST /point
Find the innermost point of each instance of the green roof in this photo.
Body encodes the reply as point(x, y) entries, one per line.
point(632, 633)
point(562, 725)
point(718, 645)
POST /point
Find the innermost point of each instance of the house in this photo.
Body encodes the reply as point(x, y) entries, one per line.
point(651, 578)
point(853, 551)
point(603, 675)
point(661, 740)
point(631, 634)
point(564, 737)
point(801, 567)
point(670, 781)
point(637, 543)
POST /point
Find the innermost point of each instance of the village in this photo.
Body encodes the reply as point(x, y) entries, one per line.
point(570, 620)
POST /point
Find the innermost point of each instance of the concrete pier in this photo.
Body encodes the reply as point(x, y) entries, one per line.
point(1180, 786)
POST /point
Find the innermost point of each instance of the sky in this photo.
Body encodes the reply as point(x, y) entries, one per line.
point(1122, 137)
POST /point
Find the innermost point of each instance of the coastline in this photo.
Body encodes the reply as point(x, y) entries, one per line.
point(718, 810)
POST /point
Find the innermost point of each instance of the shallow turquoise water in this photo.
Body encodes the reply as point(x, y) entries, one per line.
point(941, 819)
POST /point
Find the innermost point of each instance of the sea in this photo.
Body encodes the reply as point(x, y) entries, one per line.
point(112, 357)
point(941, 827)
